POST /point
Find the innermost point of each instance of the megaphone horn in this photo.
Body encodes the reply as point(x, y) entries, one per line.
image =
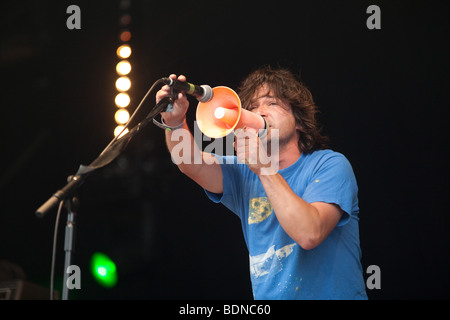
point(223, 114)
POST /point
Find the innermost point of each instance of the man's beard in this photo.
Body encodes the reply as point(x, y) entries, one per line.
point(274, 143)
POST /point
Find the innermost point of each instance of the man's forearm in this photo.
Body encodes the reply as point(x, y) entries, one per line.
point(183, 149)
point(201, 167)
point(299, 219)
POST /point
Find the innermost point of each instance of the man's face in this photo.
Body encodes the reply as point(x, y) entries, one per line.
point(277, 113)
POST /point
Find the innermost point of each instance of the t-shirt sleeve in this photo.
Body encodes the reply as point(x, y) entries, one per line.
point(334, 182)
point(232, 183)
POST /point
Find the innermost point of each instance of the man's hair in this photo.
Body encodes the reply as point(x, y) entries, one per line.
point(285, 86)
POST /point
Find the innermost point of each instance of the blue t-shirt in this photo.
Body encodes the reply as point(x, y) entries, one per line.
point(279, 267)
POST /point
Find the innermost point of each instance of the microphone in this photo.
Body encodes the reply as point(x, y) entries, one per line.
point(203, 93)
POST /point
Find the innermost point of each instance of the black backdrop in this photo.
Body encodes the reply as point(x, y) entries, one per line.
point(383, 96)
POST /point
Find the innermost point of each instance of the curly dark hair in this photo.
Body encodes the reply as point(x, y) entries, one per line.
point(285, 86)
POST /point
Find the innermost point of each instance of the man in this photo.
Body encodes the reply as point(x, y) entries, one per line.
point(299, 215)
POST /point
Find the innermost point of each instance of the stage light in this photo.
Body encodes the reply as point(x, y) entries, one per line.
point(125, 20)
point(122, 116)
point(123, 67)
point(118, 131)
point(122, 100)
point(124, 51)
point(103, 270)
point(125, 36)
point(123, 83)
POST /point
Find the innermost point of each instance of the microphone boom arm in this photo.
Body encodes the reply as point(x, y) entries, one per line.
point(111, 152)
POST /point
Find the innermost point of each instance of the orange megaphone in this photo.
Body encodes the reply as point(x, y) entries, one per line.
point(223, 114)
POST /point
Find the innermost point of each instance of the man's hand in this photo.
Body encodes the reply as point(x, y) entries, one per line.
point(251, 151)
point(180, 106)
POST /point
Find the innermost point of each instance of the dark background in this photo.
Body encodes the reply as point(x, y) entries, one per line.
point(383, 96)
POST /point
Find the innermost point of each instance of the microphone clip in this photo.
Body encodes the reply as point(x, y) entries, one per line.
point(171, 99)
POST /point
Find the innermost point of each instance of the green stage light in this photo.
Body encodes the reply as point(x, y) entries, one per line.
point(104, 270)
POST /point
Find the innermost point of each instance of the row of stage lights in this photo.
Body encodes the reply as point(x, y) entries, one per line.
point(103, 268)
point(123, 69)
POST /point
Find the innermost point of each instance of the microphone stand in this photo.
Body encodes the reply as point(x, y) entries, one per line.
point(114, 149)
point(72, 206)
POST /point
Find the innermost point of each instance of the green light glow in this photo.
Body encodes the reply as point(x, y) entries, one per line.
point(104, 270)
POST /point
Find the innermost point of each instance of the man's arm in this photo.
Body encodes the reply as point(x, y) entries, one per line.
point(308, 224)
point(207, 172)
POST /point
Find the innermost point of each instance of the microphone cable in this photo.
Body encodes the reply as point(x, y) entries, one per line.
point(55, 236)
point(135, 112)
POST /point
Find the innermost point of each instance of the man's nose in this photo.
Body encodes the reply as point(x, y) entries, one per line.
point(261, 110)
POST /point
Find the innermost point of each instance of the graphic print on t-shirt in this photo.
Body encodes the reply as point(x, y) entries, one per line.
point(270, 261)
point(259, 210)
